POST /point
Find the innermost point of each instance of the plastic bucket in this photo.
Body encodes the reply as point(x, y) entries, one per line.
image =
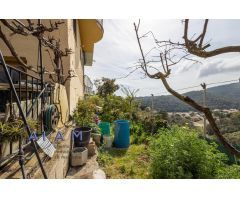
point(121, 134)
point(81, 136)
point(107, 140)
point(105, 128)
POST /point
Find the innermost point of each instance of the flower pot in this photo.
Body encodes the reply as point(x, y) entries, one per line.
point(79, 156)
point(81, 136)
point(107, 140)
point(91, 149)
point(96, 138)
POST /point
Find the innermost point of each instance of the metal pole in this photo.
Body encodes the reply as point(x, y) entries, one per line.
point(204, 86)
point(21, 113)
point(21, 157)
point(33, 104)
point(42, 78)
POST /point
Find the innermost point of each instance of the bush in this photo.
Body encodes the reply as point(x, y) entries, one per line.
point(180, 153)
point(95, 128)
point(229, 172)
point(145, 127)
point(84, 113)
point(116, 107)
point(138, 134)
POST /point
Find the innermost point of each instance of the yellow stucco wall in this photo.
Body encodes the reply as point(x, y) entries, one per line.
point(27, 47)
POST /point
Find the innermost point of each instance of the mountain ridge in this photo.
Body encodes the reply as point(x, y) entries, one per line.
point(219, 97)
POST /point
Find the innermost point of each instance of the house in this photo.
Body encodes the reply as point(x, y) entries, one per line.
point(63, 77)
point(88, 85)
point(79, 35)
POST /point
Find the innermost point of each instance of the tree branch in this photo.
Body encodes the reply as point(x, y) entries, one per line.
point(13, 52)
point(159, 75)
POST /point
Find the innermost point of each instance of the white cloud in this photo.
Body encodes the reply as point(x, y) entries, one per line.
point(118, 50)
point(220, 65)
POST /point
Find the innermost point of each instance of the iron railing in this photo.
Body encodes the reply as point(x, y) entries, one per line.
point(29, 91)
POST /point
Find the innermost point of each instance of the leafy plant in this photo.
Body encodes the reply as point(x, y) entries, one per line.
point(95, 128)
point(116, 107)
point(146, 126)
point(84, 113)
point(10, 131)
point(229, 172)
point(180, 153)
point(138, 134)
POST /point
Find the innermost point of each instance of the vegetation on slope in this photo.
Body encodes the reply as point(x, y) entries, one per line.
point(128, 163)
point(158, 149)
point(221, 97)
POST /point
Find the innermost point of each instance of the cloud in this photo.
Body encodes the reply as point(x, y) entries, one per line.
point(118, 51)
point(219, 66)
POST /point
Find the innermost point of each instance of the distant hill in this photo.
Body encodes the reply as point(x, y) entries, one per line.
point(221, 97)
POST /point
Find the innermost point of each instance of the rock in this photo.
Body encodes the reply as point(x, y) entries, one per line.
point(99, 174)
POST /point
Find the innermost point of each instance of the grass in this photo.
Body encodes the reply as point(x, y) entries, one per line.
point(129, 163)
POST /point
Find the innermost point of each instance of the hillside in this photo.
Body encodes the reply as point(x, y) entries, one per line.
point(221, 97)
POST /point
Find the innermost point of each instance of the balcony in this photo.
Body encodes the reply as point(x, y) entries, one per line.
point(91, 31)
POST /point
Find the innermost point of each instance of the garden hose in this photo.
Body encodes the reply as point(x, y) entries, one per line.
point(51, 117)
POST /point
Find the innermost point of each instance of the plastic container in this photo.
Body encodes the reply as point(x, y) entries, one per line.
point(121, 134)
point(79, 156)
point(91, 149)
point(105, 128)
point(107, 141)
point(96, 138)
point(81, 136)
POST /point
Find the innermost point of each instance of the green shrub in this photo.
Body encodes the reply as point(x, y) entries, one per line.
point(145, 127)
point(138, 134)
point(180, 153)
point(84, 113)
point(115, 107)
point(95, 128)
point(229, 172)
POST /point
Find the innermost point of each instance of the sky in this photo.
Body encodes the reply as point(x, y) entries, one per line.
point(118, 51)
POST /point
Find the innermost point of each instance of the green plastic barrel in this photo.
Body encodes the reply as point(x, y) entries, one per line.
point(105, 128)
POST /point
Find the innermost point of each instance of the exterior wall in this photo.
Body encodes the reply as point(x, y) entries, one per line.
point(75, 85)
point(27, 47)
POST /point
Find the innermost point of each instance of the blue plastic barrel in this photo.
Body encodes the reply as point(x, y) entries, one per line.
point(122, 134)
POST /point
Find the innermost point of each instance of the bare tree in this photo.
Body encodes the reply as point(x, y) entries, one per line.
point(168, 58)
point(130, 93)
